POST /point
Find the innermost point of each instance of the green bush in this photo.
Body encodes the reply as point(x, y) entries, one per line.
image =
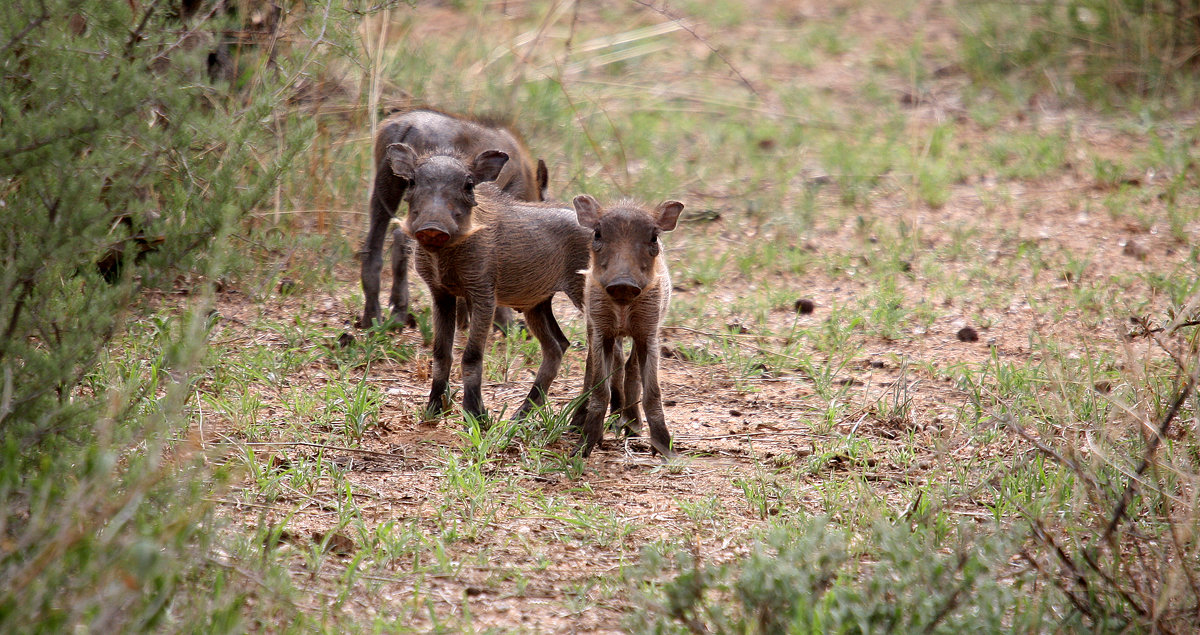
point(124, 169)
point(808, 578)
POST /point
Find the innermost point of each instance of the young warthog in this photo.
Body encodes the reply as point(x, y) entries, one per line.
point(478, 243)
point(626, 295)
point(426, 131)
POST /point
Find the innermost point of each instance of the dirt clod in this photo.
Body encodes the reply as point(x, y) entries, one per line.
point(345, 340)
point(1135, 249)
point(967, 334)
point(337, 544)
point(804, 306)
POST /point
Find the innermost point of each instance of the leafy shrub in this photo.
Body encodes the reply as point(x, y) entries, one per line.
point(808, 578)
point(124, 168)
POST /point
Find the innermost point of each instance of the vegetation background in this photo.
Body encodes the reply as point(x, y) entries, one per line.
point(931, 361)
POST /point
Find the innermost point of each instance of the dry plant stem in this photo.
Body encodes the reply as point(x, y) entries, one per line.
point(1147, 330)
point(136, 35)
point(1178, 542)
point(1052, 453)
point(588, 134)
point(683, 25)
point(307, 444)
point(1078, 603)
point(1151, 448)
point(1040, 533)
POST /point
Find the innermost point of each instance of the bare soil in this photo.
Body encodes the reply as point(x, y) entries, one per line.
point(731, 427)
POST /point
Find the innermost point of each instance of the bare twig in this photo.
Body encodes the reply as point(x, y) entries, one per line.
point(1051, 452)
point(1122, 506)
point(135, 36)
point(1079, 604)
point(306, 444)
point(663, 11)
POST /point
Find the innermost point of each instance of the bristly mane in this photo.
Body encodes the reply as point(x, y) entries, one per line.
point(504, 121)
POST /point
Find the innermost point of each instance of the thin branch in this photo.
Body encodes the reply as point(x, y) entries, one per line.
point(135, 36)
point(1119, 511)
point(1078, 603)
point(1147, 330)
point(33, 24)
point(306, 444)
point(683, 25)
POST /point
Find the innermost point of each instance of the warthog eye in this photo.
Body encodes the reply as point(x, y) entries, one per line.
point(469, 187)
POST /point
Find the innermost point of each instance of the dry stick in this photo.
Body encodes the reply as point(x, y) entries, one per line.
point(135, 36)
point(1089, 558)
point(33, 24)
point(1050, 452)
point(307, 444)
point(1147, 331)
point(1173, 527)
point(1040, 533)
point(1127, 496)
point(683, 25)
point(1079, 604)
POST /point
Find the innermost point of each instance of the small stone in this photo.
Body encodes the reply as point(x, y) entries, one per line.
point(804, 306)
point(345, 340)
point(967, 334)
point(735, 412)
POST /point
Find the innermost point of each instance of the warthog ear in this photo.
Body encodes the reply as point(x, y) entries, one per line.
point(668, 214)
point(487, 165)
point(402, 159)
point(543, 179)
point(587, 210)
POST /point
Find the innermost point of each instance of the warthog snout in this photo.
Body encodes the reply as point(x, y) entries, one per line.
point(623, 290)
point(432, 237)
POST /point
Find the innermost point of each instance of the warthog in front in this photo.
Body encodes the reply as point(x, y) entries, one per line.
point(627, 293)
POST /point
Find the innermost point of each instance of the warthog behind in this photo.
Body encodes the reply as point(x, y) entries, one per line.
point(426, 131)
point(478, 243)
point(627, 293)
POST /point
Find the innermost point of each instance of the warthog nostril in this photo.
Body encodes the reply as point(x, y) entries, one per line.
point(623, 291)
point(432, 238)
